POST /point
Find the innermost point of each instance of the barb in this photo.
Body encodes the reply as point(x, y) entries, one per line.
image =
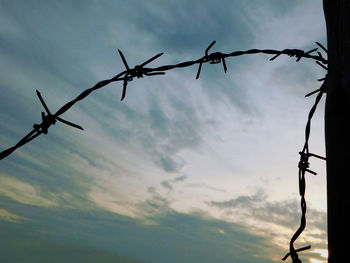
point(213, 58)
point(322, 88)
point(303, 166)
point(294, 53)
point(321, 46)
point(48, 119)
point(297, 250)
point(139, 71)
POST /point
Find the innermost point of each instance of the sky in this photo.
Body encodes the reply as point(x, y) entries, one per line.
point(181, 170)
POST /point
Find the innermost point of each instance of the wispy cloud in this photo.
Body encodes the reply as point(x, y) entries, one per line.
point(205, 186)
point(23, 192)
point(10, 217)
point(282, 217)
point(169, 183)
point(107, 234)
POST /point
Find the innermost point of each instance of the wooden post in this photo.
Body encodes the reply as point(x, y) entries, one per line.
point(337, 131)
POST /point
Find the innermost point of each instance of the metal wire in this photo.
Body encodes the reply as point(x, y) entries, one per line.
point(139, 71)
point(303, 166)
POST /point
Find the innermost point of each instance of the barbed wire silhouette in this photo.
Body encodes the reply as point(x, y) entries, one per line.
point(303, 166)
point(139, 71)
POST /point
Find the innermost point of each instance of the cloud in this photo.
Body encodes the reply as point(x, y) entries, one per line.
point(175, 238)
point(154, 205)
point(283, 213)
point(278, 217)
point(183, 26)
point(10, 217)
point(287, 29)
point(168, 183)
point(169, 135)
point(23, 192)
point(296, 79)
point(241, 201)
point(205, 186)
point(161, 130)
point(44, 250)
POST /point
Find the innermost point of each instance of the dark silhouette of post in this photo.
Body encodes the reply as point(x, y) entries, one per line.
point(337, 128)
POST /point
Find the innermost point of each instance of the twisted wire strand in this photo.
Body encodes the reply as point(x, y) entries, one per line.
point(139, 70)
point(213, 58)
point(303, 168)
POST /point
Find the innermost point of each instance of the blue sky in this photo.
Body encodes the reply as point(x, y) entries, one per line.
point(182, 170)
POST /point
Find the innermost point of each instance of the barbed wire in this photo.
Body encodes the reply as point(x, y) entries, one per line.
point(303, 166)
point(139, 71)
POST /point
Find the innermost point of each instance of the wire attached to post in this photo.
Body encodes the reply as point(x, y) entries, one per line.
point(303, 166)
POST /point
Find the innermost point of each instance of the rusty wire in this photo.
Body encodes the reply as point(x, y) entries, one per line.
point(139, 71)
